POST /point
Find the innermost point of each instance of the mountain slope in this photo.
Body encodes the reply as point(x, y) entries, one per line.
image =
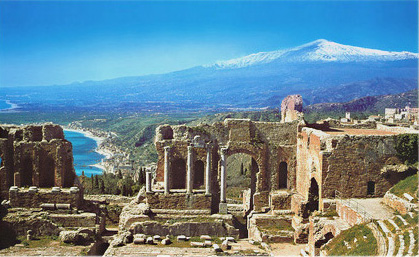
point(321, 71)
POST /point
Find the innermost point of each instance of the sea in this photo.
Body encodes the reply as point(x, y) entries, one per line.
point(4, 105)
point(84, 153)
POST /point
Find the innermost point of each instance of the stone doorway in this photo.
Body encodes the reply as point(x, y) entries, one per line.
point(178, 174)
point(371, 188)
point(199, 175)
point(241, 183)
point(313, 198)
point(283, 176)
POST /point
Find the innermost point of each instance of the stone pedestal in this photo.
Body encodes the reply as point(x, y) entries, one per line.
point(222, 208)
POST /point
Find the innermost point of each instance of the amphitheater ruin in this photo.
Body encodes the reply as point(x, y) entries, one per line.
point(297, 169)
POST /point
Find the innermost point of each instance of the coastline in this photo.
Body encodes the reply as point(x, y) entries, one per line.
point(99, 141)
point(12, 107)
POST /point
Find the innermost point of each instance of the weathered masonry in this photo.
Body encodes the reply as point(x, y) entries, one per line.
point(191, 169)
point(34, 156)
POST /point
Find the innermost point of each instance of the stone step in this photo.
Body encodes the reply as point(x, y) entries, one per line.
point(394, 225)
point(411, 243)
point(384, 227)
point(282, 212)
point(403, 220)
point(390, 251)
point(401, 247)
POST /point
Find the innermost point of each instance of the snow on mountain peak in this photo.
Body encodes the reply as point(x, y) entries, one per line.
point(320, 50)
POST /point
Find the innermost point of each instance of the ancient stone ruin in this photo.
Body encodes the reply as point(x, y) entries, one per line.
point(34, 155)
point(291, 108)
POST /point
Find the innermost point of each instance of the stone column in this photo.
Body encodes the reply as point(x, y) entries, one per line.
point(223, 175)
point(208, 171)
point(148, 181)
point(189, 171)
point(166, 169)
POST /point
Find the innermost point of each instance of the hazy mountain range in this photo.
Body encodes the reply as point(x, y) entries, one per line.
point(321, 71)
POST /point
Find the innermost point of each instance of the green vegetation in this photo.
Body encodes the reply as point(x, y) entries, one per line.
point(362, 246)
point(41, 241)
point(108, 183)
point(406, 239)
point(329, 213)
point(407, 148)
point(277, 227)
point(416, 235)
point(408, 185)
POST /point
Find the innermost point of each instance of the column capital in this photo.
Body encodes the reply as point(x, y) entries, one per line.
point(190, 148)
point(167, 148)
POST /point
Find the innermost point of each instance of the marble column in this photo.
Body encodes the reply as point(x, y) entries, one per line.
point(223, 175)
point(148, 181)
point(208, 171)
point(166, 169)
point(189, 171)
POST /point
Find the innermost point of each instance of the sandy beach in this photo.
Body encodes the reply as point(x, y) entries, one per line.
point(12, 107)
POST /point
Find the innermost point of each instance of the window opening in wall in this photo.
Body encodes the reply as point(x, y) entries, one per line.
point(371, 188)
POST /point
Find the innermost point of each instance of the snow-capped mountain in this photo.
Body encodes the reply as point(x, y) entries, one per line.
point(321, 71)
point(320, 50)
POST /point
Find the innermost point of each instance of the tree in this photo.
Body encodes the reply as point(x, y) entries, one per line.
point(407, 148)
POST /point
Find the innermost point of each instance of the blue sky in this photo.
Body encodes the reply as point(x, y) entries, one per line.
point(51, 42)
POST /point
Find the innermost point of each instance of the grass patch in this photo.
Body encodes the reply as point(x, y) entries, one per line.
point(329, 213)
point(398, 222)
point(396, 244)
point(406, 239)
point(415, 235)
point(41, 241)
point(276, 227)
point(408, 185)
point(362, 246)
point(410, 220)
point(382, 232)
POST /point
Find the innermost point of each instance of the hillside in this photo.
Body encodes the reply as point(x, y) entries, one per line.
point(361, 107)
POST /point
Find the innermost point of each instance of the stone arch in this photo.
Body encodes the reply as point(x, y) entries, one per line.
point(199, 174)
point(257, 154)
point(178, 170)
point(283, 175)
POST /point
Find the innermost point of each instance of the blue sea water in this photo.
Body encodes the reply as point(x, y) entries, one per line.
point(4, 105)
point(84, 153)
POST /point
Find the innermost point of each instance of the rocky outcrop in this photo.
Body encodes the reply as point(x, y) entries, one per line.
point(291, 108)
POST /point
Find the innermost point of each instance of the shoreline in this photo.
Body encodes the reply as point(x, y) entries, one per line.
point(12, 107)
point(99, 141)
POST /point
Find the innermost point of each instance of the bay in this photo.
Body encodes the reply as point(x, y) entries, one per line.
point(84, 153)
point(4, 105)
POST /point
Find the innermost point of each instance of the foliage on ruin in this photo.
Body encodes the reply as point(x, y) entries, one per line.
point(408, 185)
point(359, 238)
point(407, 148)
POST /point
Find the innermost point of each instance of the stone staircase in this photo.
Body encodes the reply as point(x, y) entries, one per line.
point(400, 235)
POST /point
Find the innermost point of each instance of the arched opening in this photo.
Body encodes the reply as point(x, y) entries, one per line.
point(198, 179)
point(371, 188)
point(27, 172)
point(178, 174)
point(241, 181)
point(313, 198)
point(47, 172)
point(283, 175)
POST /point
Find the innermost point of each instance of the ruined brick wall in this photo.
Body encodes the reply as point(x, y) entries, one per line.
point(291, 108)
point(345, 163)
point(270, 144)
point(35, 156)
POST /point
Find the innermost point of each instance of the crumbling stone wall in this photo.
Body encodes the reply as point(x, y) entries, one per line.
point(291, 108)
point(26, 199)
point(35, 156)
